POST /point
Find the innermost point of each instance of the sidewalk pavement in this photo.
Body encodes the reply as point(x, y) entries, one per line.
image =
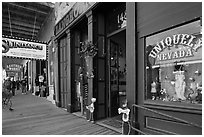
point(34, 115)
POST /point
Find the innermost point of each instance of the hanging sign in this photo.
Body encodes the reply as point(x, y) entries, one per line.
point(14, 67)
point(23, 49)
point(177, 48)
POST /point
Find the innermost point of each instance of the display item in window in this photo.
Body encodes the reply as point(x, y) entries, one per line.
point(163, 95)
point(180, 84)
point(175, 57)
point(193, 92)
point(199, 90)
point(153, 90)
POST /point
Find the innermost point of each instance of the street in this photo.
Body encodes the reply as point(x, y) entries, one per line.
point(34, 115)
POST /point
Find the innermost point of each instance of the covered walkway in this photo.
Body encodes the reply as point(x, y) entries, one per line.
point(37, 116)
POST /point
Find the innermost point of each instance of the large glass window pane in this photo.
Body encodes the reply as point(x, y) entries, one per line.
point(174, 64)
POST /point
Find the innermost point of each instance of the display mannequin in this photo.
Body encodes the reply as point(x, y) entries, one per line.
point(180, 84)
point(153, 90)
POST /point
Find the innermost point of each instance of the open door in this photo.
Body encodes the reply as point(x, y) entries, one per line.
point(114, 95)
point(117, 72)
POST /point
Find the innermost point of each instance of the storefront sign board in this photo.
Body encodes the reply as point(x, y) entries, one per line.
point(78, 9)
point(177, 48)
point(14, 67)
point(61, 8)
point(23, 49)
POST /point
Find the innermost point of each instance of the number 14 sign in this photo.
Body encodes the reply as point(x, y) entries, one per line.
point(122, 19)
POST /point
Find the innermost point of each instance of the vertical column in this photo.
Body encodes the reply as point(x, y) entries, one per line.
point(56, 74)
point(68, 71)
point(131, 52)
point(33, 74)
point(31, 80)
point(90, 38)
point(29, 75)
point(131, 58)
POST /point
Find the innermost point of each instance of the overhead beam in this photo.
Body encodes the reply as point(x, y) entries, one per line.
point(14, 34)
point(22, 15)
point(18, 31)
point(26, 8)
point(23, 24)
point(6, 19)
point(17, 27)
point(47, 4)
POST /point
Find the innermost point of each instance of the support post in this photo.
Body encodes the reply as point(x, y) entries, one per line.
point(68, 71)
point(90, 38)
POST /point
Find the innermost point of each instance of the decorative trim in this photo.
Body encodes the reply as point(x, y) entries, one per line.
point(158, 129)
point(173, 106)
point(23, 39)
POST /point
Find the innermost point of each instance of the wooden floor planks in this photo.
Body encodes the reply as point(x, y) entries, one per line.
point(37, 116)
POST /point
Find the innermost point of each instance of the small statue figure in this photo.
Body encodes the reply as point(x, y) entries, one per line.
point(91, 109)
point(125, 116)
point(153, 90)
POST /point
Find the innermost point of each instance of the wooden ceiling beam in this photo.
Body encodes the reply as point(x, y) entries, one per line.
point(19, 31)
point(19, 23)
point(17, 27)
point(28, 8)
point(37, 24)
point(25, 16)
point(19, 35)
point(47, 4)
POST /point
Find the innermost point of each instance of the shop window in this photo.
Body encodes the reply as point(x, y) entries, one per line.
point(174, 64)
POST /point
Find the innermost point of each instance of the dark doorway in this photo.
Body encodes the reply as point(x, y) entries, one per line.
point(79, 34)
point(117, 68)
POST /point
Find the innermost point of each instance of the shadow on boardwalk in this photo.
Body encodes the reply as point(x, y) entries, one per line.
point(36, 116)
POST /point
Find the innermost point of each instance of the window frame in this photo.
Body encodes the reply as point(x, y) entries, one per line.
point(178, 106)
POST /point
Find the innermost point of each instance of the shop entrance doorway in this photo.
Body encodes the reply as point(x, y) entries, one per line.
point(117, 71)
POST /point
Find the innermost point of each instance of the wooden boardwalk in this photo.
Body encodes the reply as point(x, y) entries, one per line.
point(37, 116)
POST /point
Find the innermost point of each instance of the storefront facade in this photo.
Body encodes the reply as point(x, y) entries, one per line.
point(169, 75)
point(150, 58)
point(69, 32)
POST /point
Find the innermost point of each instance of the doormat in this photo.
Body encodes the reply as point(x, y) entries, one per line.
point(78, 114)
point(111, 123)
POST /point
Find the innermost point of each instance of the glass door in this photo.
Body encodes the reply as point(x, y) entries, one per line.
point(114, 95)
point(117, 74)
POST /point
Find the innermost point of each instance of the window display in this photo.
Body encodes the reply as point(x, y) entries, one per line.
point(174, 64)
